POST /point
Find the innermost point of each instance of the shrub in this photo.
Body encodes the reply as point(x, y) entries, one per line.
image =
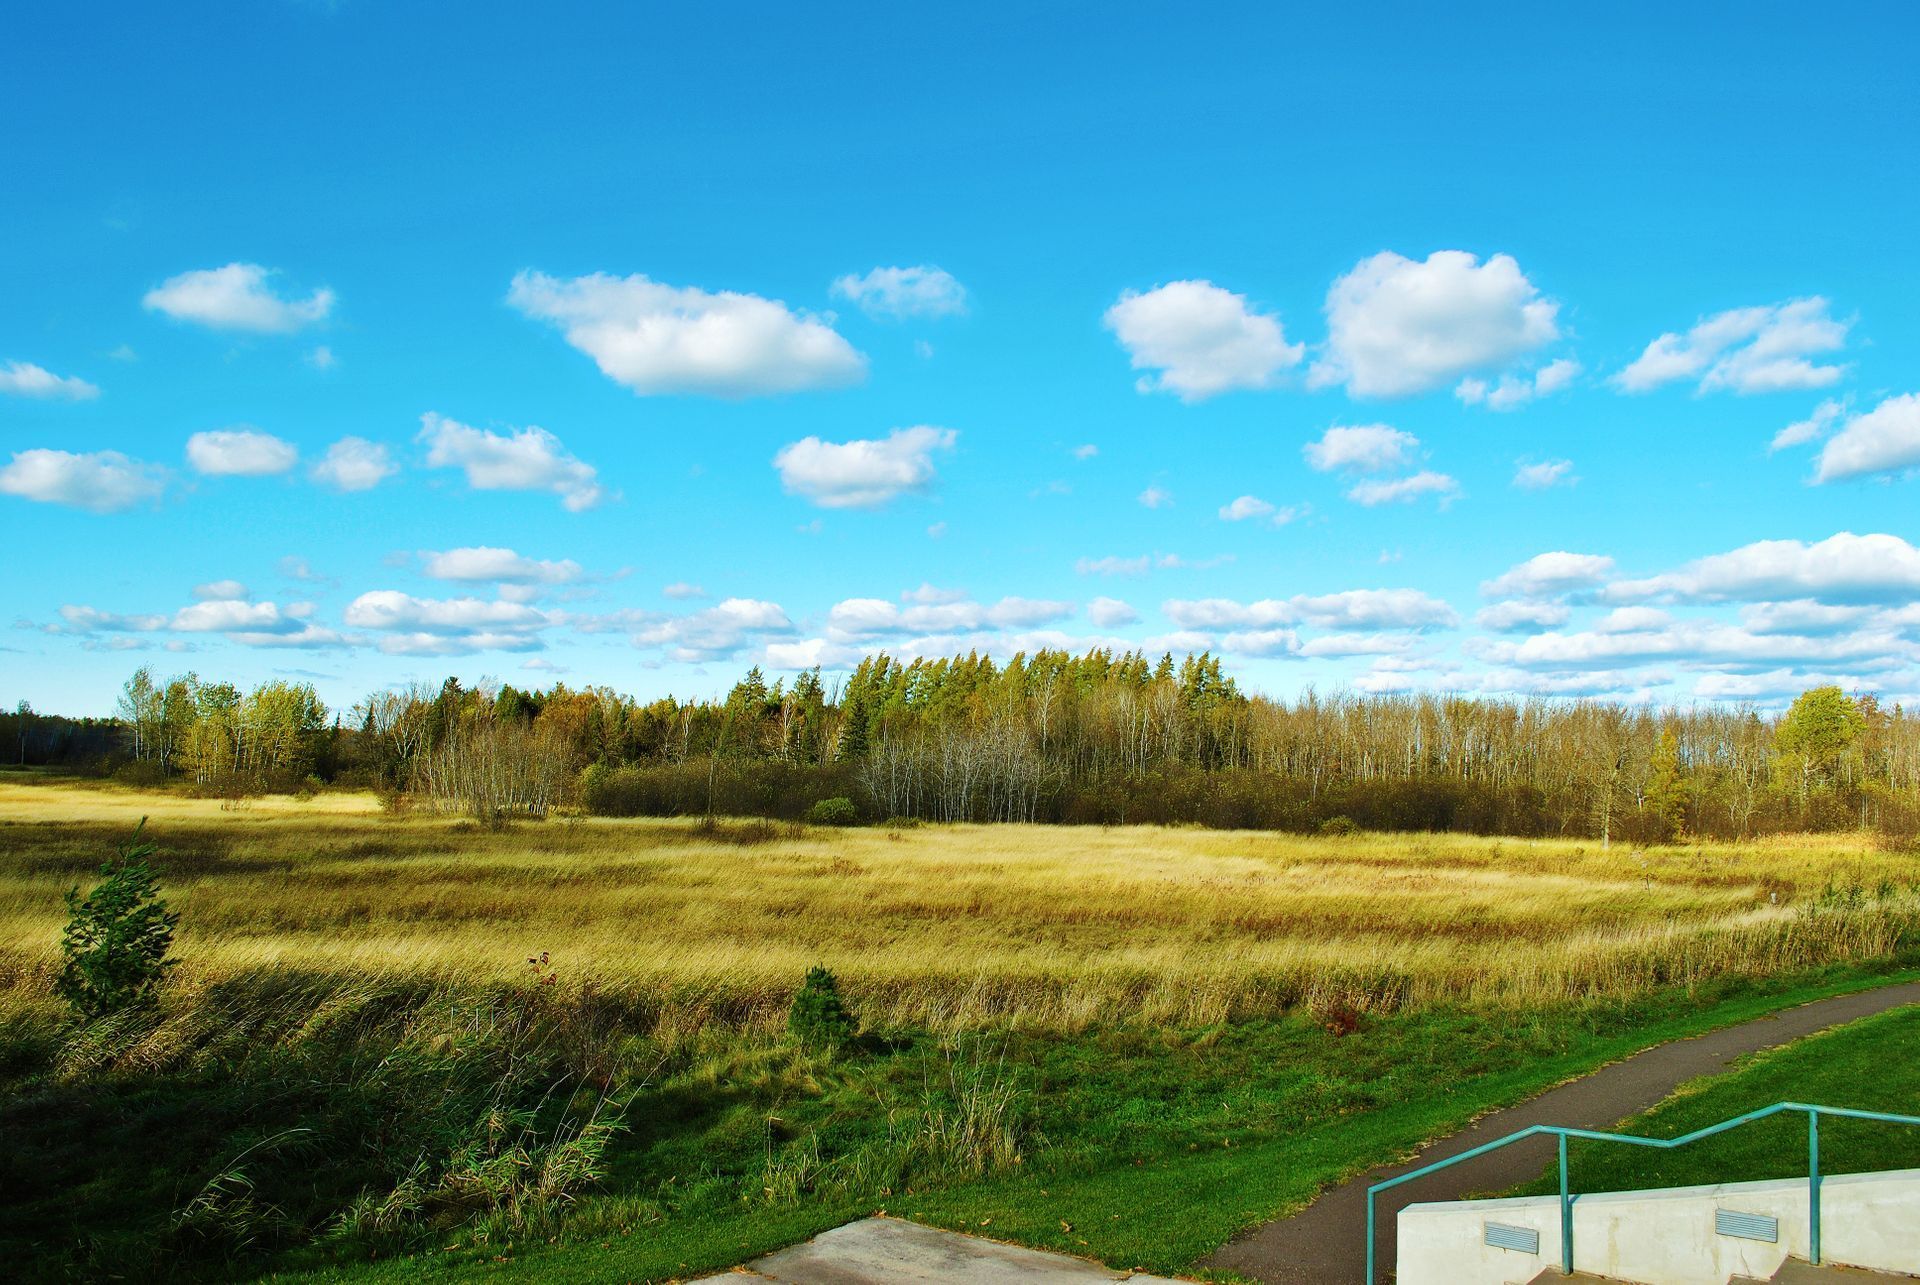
point(1338, 827)
point(117, 938)
point(836, 811)
point(819, 1016)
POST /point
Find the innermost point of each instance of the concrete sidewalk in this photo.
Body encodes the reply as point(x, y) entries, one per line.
point(1325, 1243)
point(883, 1251)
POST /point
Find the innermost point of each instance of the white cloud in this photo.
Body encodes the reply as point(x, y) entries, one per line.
point(236, 297)
point(1623, 620)
point(1885, 439)
point(1696, 642)
point(1548, 574)
point(484, 562)
point(1540, 475)
point(88, 620)
point(321, 358)
point(222, 591)
point(929, 594)
point(812, 653)
point(412, 626)
point(1841, 568)
point(899, 293)
point(856, 618)
point(234, 615)
point(1111, 613)
point(1747, 350)
point(864, 473)
point(1360, 448)
point(1085, 451)
point(354, 464)
point(1202, 340)
point(100, 481)
point(936, 530)
point(530, 459)
point(1118, 566)
point(1403, 490)
point(1800, 616)
point(1812, 428)
point(658, 338)
point(1155, 497)
point(1261, 642)
point(1349, 609)
point(1519, 615)
point(714, 634)
point(681, 590)
point(1354, 644)
point(1251, 508)
point(1511, 392)
point(24, 379)
point(240, 452)
point(1397, 326)
point(1025, 613)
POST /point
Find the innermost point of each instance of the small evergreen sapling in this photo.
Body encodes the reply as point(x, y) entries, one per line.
point(819, 1016)
point(117, 938)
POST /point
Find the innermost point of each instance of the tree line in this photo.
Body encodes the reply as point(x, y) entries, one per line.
point(1103, 738)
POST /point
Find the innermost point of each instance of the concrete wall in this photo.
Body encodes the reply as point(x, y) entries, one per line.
point(1667, 1237)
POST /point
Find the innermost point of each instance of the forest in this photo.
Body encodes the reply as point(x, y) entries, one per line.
point(1100, 738)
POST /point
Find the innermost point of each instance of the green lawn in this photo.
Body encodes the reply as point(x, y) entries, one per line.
point(1869, 1064)
point(1143, 1149)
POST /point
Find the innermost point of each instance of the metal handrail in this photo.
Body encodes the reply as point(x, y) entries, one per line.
point(1813, 1114)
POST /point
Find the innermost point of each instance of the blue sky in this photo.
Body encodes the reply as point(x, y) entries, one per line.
point(1422, 347)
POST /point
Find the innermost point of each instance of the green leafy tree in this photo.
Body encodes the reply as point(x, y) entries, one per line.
point(117, 938)
point(1816, 739)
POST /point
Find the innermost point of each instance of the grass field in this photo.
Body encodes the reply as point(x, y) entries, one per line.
point(955, 927)
point(1126, 1042)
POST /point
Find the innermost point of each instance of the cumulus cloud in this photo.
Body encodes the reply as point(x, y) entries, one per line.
point(1521, 615)
point(240, 452)
point(1549, 574)
point(932, 593)
point(864, 473)
point(681, 590)
point(1746, 350)
point(1397, 326)
point(1697, 642)
point(1404, 490)
point(853, 619)
point(895, 294)
point(99, 481)
point(1885, 439)
point(236, 297)
point(1543, 474)
point(717, 633)
point(1251, 508)
point(1360, 448)
point(24, 379)
point(412, 626)
point(354, 464)
point(1111, 613)
point(529, 459)
point(221, 591)
point(1511, 392)
point(1349, 609)
point(484, 562)
point(1201, 339)
point(657, 338)
point(1155, 497)
point(1812, 428)
point(1841, 568)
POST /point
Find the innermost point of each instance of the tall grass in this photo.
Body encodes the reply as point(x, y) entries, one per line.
point(952, 927)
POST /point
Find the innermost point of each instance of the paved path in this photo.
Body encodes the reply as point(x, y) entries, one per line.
point(889, 1251)
point(1325, 1243)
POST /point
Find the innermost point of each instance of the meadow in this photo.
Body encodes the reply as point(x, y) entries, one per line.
point(1128, 1041)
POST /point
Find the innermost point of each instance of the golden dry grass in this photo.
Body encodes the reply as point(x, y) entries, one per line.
point(950, 925)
